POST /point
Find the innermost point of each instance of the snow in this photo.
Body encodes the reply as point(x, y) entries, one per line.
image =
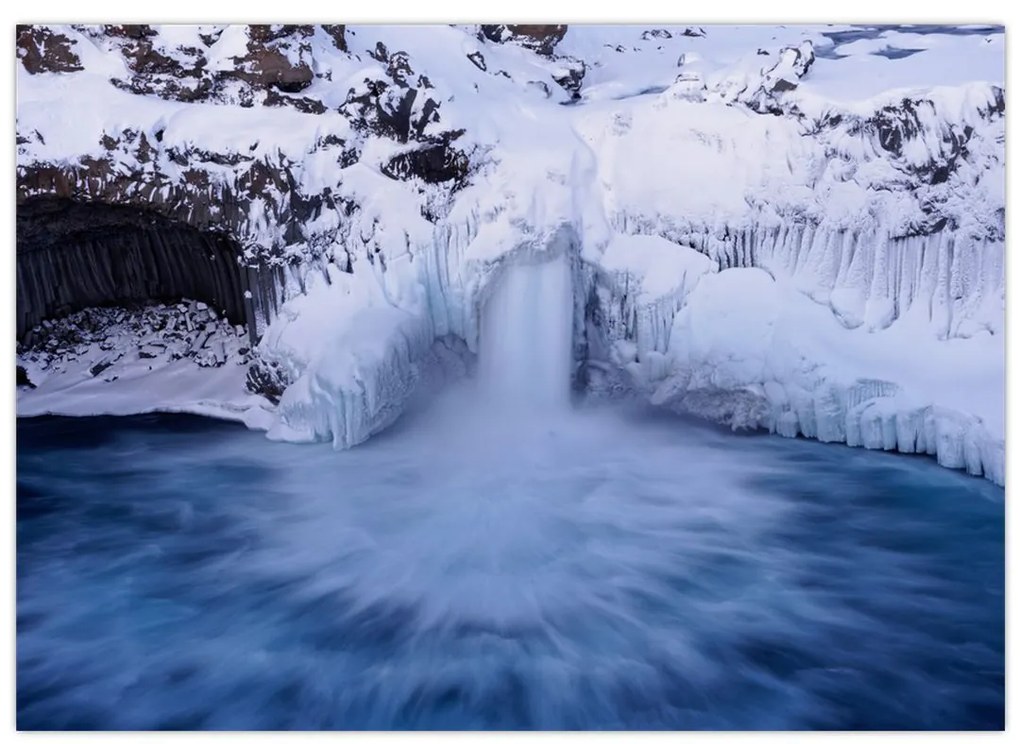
point(180, 358)
point(742, 331)
point(772, 268)
point(659, 266)
point(178, 387)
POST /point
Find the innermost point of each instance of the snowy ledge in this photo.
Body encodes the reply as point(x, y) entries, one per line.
point(752, 351)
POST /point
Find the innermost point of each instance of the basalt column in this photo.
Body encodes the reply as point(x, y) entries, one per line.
point(72, 255)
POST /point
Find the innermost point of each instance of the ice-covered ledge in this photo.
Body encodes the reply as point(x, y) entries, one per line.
point(752, 351)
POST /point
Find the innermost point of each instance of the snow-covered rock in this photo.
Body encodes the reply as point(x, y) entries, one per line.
point(772, 226)
point(752, 351)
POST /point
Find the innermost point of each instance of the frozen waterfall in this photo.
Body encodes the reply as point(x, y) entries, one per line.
point(525, 345)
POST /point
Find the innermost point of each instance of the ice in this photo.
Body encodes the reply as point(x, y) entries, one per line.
point(753, 351)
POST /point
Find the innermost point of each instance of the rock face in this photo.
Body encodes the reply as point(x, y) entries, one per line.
point(277, 58)
point(117, 255)
point(274, 60)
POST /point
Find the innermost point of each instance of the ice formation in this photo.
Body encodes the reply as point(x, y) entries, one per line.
point(777, 227)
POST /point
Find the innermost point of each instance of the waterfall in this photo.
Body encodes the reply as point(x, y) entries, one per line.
point(527, 328)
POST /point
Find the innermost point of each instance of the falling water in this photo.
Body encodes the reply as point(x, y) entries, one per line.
point(526, 336)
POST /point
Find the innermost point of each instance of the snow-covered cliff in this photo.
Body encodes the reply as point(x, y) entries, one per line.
point(796, 228)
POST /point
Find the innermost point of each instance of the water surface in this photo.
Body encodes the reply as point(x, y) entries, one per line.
point(611, 568)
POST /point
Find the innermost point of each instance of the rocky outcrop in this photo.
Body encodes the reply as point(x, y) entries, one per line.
point(782, 77)
point(278, 57)
point(117, 255)
point(338, 32)
point(435, 161)
point(538, 38)
point(206, 190)
point(181, 76)
point(570, 75)
point(402, 107)
point(106, 342)
point(42, 50)
point(22, 378)
point(892, 128)
point(277, 60)
point(168, 202)
point(398, 107)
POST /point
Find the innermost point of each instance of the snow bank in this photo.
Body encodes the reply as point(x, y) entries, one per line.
point(755, 352)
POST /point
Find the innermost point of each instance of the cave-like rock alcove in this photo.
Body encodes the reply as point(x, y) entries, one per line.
point(72, 255)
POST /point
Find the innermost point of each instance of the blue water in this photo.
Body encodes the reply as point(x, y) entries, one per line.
point(856, 32)
point(609, 569)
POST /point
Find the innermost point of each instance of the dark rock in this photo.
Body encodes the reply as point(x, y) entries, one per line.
point(268, 63)
point(22, 378)
point(433, 163)
point(541, 39)
point(373, 108)
point(98, 368)
point(477, 60)
point(380, 53)
point(130, 31)
point(572, 77)
point(267, 379)
point(398, 69)
point(211, 38)
point(41, 50)
point(261, 34)
point(540, 85)
point(301, 103)
point(72, 255)
point(271, 68)
point(792, 64)
point(144, 59)
point(338, 33)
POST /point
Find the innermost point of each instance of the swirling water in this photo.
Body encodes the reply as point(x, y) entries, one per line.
point(612, 568)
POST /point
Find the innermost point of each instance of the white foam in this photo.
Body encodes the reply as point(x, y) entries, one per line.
point(526, 336)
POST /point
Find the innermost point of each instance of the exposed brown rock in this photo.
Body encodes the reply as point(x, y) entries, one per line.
point(539, 38)
point(268, 63)
point(41, 50)
point(261, 34)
